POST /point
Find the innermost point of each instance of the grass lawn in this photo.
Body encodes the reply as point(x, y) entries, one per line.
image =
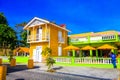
point(19, 59)
point(89, 65)
point(22, 59)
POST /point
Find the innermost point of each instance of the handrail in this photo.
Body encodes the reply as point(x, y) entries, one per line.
point(86, 60)
point(37, 37)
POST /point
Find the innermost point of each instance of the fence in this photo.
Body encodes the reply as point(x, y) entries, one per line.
point(85, 60)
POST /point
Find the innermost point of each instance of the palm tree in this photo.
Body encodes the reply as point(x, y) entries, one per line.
point(21, 24)
point(49, 60)
point(22, 33)
point(23, 40)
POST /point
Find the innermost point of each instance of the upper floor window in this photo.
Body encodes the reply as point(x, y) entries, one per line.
point(60, 35)
point(79, 39)
point(108, 37)
point(39, 30)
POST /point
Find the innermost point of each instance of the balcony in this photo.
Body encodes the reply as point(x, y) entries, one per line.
point(37, 38)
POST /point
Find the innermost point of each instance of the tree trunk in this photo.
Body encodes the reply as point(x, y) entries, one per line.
point(4, 49)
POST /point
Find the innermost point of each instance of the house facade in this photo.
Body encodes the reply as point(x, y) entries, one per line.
point(97, 40)
point(41, 34)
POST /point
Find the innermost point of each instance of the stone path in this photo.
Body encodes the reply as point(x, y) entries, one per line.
point(62, 73)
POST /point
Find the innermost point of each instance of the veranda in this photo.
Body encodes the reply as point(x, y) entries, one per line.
point(89, 59)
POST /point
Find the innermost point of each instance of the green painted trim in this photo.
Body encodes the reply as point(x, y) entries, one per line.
point(93, 42)
point(96, 53)
point(73, 51)
point(91, 54)
point(73, 60)
point(88, 39)
point(116, 36)
point(119, 61)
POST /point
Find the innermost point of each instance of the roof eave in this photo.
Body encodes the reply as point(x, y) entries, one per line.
point(25, 27)
point(60, 27)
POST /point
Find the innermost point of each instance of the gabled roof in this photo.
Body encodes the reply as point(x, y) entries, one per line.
point(60, 27)
point(21, 49)
point(38, 21)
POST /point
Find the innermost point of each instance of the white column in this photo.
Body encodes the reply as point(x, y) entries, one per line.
point(45, 31)
point(33, 35)
point(27, 35)
point(49, 37)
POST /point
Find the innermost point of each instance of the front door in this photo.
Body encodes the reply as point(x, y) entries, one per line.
point(39, 34)
point(37, 57)
point(59, 51)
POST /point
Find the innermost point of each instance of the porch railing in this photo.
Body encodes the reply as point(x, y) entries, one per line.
point(93, 60)
point(63, 60)
point(85, 60)
point(37, 37)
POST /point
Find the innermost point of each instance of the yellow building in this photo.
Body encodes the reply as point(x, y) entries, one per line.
point(42, 33)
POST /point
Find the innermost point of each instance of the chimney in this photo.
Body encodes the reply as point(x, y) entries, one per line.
point(63, 25)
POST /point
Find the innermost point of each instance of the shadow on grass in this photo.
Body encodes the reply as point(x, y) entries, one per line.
point(17, 68)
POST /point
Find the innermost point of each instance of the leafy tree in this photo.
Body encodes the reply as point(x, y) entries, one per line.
point(3, 19)
point(7, 35)
point(49, 60)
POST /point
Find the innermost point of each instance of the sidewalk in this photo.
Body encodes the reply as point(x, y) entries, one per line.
point(84, 71)
point(21, 72)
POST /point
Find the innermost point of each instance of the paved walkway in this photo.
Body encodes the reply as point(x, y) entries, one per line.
point(86, 71)
point(62, 73)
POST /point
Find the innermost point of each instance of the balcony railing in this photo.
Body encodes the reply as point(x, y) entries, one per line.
point(37, 38)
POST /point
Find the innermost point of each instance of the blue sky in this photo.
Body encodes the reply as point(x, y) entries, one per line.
point(80, 16)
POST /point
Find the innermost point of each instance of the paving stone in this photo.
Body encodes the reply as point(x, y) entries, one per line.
point(21, 72)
